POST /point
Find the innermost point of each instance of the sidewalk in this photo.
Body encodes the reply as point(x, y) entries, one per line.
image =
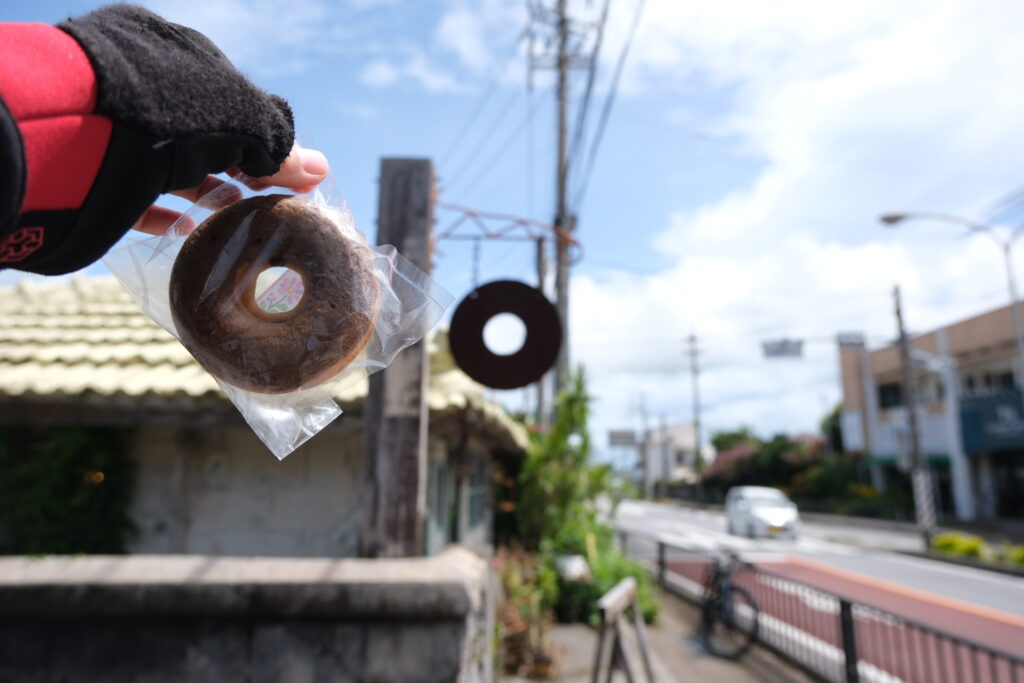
point(675, 657)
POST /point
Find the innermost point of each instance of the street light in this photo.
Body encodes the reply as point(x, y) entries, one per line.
point(1005, 244)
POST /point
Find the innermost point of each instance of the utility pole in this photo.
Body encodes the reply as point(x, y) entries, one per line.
point(570, 48)
point(543, 419)
point(924, 507)
point(563, 220)
point(698, 460)
point(645, 449)
point(666, 467)
point(395, 415)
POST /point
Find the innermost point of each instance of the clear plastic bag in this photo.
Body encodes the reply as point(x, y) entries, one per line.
point(335, 311)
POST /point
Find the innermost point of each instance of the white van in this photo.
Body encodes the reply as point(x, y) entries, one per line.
point(758, 511)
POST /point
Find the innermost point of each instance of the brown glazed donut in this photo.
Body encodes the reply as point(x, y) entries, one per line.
point(213, 302)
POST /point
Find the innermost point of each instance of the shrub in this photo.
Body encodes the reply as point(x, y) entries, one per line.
point(558, 514)
point(65, 491)
point(959, 544)
point(1015, 554)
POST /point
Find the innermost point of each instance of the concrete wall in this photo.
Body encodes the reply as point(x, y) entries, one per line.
point(220, 492)
point(205, 619)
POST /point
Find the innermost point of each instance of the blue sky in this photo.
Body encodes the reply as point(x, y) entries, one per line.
point(751, 148)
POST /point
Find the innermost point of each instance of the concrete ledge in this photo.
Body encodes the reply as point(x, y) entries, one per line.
point(264, 620)
point(447, 586)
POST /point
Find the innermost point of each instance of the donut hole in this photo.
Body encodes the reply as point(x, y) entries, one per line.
point(279, 290)
point(505, 334)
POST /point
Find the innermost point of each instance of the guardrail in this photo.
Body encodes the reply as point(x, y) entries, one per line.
point(831, 636)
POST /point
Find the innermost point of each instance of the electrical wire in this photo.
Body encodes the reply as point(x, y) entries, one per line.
point(488, 136)
point(606, 111)
point(742, 398)
point(529, 148)
point(581, 117)
point(501, 151)
point(460, 136)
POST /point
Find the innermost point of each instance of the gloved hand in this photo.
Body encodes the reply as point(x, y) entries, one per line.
point(178, 111)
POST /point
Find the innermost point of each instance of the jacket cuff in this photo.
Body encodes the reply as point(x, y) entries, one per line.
point(50, 138)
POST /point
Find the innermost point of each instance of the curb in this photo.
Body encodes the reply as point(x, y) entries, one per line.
point(962, 562)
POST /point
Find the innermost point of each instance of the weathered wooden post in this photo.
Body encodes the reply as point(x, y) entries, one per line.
point(395, 412)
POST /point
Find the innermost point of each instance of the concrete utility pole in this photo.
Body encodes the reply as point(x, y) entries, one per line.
point(395, 415)
point(645, 449)
point(666, 466)
point(924, 506)
point(698, 460)
point(562, 218)
point(543, 419)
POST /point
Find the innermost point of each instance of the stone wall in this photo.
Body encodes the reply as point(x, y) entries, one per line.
point(217, 619)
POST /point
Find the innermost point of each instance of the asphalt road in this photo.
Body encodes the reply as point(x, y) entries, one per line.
point(850, 550)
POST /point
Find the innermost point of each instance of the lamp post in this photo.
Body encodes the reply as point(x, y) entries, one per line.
point(1005, 245)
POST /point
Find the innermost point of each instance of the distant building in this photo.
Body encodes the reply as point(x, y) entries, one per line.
point(975, 445)
point(668, 449)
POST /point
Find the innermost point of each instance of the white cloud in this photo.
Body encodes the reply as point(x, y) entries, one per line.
point(429, 76)
point(416, 68)
point(379, 74)
point(854, 110)
point(261, 37)
point(461, 31)
point(361, 111)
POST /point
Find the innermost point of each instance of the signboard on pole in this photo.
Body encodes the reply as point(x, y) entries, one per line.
point(622, 437)
point(850, 340)
point(783, 348)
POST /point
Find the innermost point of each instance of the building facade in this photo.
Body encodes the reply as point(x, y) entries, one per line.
point(666, 455)
point(82, 354)
point(967, 379)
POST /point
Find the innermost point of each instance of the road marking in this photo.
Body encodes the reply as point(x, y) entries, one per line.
point(933, 598)
point(962, 572)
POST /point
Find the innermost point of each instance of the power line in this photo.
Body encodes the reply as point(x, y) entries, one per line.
point(581, 116)
point(482, 142)
point(761, 396)
point(484, 99)
point(500, 151)
point(606, 111)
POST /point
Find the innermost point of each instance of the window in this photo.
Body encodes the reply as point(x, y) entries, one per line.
point(479, 490)
point(1006, 380)
point(890, 395)
point(969, 384)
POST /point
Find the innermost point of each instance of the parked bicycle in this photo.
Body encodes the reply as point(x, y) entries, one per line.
point(729, 614)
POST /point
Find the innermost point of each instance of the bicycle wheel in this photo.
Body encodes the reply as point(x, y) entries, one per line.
point(733, 624)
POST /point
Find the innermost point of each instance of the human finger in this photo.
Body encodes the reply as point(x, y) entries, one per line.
point(303, 170)
point(158, 219)
point(226, 195)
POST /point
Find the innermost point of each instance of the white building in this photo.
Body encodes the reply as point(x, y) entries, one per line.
point(971, 426)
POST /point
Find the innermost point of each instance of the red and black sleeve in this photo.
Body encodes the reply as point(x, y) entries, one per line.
point(101, 115)
point(52, 142)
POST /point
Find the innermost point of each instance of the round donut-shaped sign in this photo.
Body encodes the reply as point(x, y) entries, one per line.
point(540, 347)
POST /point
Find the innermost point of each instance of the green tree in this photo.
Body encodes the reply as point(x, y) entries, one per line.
point(832, 429)
point(558, 485)
point(558, 513)
point(65, 490)
point(727, 440)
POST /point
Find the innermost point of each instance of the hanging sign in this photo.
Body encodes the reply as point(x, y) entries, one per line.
point(540, 347)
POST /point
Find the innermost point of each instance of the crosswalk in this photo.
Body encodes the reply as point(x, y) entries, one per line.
point(705, 530)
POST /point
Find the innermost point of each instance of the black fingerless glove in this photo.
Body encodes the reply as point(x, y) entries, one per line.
point(179, 111)
point(173, 86)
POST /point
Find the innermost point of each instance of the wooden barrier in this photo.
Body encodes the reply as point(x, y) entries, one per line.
point(615, 651)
